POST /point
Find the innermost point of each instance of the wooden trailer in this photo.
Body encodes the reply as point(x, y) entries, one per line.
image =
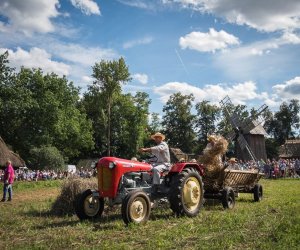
point(232, 182)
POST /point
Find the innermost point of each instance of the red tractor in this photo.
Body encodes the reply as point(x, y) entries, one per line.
point(129, 183)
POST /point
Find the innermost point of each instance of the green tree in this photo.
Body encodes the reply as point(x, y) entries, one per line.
point(109, 76)
point(93, 104)
point(178, 122)
point(47, 157)
point(130, 119)
point(155, 123)
point(206, 121)
point(40, 110)
point(285, 122)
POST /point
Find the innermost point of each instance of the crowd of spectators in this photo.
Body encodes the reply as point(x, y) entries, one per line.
point(271, 168)
point(25, 174)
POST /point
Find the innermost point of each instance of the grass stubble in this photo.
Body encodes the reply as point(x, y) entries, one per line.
point(29, 222)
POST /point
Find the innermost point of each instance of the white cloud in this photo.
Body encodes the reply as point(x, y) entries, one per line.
point(141, 4)
point(239, 93)
point(87, 79)
point(288, 90)
point(258, 59)
point(29, 16)
point(142, 78)
point(133, 43)
point(86, 56)
point(36, 58)
point(263, 15)
point(208, 42)
point(87, 7)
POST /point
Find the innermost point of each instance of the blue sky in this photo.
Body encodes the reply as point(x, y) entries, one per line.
point(249, 50)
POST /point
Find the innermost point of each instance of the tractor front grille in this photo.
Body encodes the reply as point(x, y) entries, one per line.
point(104, 178)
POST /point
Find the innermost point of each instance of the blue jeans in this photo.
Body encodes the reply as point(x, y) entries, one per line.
point(7, 187)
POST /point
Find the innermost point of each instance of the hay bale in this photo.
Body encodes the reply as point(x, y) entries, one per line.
point(212, 161)
point(72, 187)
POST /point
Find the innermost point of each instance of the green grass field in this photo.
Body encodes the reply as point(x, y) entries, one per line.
point(274, 223)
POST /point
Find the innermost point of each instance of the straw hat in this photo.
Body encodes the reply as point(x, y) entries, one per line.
point(233, 160)
point(157, 134)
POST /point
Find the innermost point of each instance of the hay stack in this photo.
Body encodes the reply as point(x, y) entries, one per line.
point(64, 204)
point(212, 160)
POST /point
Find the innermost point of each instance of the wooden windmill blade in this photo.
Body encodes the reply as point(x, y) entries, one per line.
point(233, 118)
point(251, 123)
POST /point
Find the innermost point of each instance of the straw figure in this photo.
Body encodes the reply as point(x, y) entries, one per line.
point(212, 161)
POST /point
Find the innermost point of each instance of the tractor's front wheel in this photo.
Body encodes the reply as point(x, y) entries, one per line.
point(186, 193)
point(136, 207)
point(88, 205)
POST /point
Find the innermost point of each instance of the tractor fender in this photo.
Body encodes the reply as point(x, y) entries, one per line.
point(178, 167)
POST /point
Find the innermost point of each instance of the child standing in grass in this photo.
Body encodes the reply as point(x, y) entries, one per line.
point(8, 180)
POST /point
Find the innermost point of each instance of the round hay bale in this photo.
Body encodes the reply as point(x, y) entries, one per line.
point(71, 187)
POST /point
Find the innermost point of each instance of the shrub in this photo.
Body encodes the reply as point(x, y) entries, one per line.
point(47, 157)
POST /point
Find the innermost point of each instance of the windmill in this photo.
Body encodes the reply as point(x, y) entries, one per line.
point(248, 134)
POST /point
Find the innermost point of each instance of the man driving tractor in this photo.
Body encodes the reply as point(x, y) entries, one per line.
point(161, 151)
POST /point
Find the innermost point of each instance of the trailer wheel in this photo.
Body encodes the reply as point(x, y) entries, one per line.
point(88, 206)
point(186, 193)
point(258, 192)
point(136, 207)
point(228, 198)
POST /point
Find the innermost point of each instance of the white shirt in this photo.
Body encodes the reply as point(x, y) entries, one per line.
point(161, 151)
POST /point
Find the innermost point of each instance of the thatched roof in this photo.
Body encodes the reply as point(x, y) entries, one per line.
point(6, 154)
point(291, 149)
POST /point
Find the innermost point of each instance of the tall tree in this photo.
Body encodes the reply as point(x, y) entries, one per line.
point(285, 122)
point(93, 103)
point(39, 110)
point(206, 121)
point(129, 119)
point(178, 122)
point(155, 123)
point(110, 75)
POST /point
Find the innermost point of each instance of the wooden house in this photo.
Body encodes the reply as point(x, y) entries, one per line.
point(290, 149)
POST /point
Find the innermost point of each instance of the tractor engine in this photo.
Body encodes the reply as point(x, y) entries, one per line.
point(136, 180)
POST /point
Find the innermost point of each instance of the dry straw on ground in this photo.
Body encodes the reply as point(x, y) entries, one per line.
point(72, 187)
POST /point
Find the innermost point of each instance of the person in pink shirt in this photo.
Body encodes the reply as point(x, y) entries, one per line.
point(9, 175)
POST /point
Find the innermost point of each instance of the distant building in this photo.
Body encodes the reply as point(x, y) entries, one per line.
point(290, 149)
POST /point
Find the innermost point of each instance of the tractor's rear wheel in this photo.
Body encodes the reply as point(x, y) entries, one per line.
point(228, 198)
point(186, 193)
point(258, 192)
point(136, 207)
point(89, 206)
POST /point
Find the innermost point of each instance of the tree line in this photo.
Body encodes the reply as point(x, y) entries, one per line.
point(45, 119)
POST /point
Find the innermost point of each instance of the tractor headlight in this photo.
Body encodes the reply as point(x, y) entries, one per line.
point(111, 165)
